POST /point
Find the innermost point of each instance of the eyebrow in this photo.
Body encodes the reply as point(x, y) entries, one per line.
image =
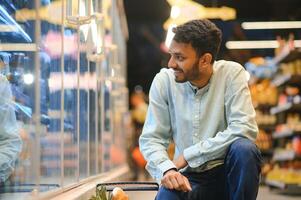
point(175, 53)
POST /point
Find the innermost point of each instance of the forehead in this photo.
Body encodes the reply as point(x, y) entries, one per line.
point(181, 48)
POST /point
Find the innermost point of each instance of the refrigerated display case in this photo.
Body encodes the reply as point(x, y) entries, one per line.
point(65, 61)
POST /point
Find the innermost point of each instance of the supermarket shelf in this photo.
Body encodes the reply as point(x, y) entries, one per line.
point(267, 127)
point(293, 189)
point(294, 80)
point(283, 134)
point(285, 155)
point(8, 28)
point(282, 108)
point(26, 187)
point(277, 184)
point(267, 152)
point(287, 80)
point(264, 106)
point(18, 47)
point(292, 56)
point(285, 107)
point(280, 80)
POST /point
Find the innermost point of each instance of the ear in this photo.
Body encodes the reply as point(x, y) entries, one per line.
point(205, 60)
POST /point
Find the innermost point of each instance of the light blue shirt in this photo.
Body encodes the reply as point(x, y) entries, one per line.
point(10, 141)
point(202, 122)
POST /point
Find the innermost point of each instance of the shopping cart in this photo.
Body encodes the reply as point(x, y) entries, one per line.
point(135, 190)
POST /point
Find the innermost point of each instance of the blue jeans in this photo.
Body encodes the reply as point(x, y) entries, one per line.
point(237, 179)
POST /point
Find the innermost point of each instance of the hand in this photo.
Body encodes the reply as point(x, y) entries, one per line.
point(175, 180)
point(180, 162)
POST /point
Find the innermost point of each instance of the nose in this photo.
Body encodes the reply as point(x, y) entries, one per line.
point(171, 63)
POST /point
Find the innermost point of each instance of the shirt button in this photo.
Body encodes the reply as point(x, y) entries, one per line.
point(195, 134)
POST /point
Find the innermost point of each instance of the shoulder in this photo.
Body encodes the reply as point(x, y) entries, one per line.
point(228, 67)
point(164, 78)
point(229, 72)
point(162, 84)
point(165, 74)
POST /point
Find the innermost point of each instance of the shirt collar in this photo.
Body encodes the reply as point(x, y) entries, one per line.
point(199, 91)
point(204, 89)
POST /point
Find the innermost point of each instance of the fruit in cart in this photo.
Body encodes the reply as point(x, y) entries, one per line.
point(119, 194)
point(101, 194)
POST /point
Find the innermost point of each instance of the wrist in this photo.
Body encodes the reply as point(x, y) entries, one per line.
point(171, 169)
point(180, 162)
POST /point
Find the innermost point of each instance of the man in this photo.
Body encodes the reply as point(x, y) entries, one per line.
point(205, 107)
point(10, 141)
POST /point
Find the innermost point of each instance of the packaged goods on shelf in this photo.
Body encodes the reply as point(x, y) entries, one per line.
point(265, 118)
point(264, 93)
point(264, 140)
point(286, 176)
point(277, 99)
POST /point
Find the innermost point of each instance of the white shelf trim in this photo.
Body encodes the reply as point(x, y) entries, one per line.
point(18, 47)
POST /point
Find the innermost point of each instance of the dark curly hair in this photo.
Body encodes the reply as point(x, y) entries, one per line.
point(203, 35)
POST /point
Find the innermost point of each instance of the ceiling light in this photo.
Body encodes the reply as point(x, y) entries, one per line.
point(271, 25)
point(170, 35)
point(259, 44)
point(28, 79)
point(175, 12)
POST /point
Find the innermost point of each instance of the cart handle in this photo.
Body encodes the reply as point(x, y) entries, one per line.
point(132, 186)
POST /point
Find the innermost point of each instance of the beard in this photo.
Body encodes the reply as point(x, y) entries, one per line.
point(191, 74)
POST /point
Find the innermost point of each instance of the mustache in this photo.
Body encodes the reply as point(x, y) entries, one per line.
point(177, 70)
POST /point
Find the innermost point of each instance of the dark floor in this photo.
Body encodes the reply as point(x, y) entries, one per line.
point(266, 194)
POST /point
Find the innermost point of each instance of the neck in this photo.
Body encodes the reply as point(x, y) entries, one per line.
point(205, 77)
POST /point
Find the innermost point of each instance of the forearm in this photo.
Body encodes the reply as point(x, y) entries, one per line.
point(155, 152)
point(216, 147)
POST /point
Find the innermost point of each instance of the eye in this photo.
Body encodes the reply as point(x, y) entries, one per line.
point(180, 58)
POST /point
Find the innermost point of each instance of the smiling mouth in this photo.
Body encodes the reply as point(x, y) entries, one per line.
point(177, 71)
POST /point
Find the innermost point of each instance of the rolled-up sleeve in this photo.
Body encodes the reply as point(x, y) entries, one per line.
point(10, 141)
point(240, 116)
point(156, 134)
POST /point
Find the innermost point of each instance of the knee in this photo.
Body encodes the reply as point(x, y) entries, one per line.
point(164, 193)
point(244, 150)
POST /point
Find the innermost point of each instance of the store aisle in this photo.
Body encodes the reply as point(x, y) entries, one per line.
point(266, 194)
